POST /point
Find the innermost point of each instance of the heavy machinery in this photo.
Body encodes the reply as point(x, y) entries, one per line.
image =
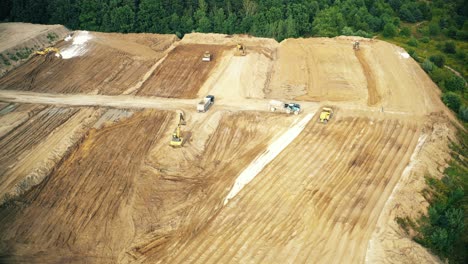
point(356, 45)
point(205, 104)
point(177, 140)
point(240, 50)
point(48, 51)
point(285, 107)
point(206, 56)
point(326, 115)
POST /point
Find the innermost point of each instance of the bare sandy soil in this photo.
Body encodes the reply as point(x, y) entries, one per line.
point(132, 188)
point(324, 191)
point(34, 138)
point(110, 64)
point(16, 34)
point(183, 72)
point(16, 37)
point(102, 185)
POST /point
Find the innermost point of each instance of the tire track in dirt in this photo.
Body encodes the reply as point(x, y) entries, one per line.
point(183, 72)
point(85, 201)
point(17, 144)
point(188, 197)
point(373, 95)
point(317, 201)
point(239, 226)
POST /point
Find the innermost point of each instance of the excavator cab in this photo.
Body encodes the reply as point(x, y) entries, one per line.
point(177, 140)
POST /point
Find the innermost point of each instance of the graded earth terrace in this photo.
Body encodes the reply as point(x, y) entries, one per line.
point(88, 174)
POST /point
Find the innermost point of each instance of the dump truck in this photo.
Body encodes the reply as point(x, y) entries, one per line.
point(206, 56)
point(205, 104)
point(289, 108)
point(326, 115)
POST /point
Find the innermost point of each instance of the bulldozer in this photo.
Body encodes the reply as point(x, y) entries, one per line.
point(48, 51)
point(326, 115)
point(206, 56)
point(177, 140)
point(356, 45)
point(240, 50)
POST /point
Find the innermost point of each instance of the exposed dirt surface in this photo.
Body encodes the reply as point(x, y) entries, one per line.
point(389, 242)
point(326, 190)
point(317, 69)
point(379, 74)
point(183, 72)
point(90, 176)
point(372, 95)
point(108, 64)
point(34, 139)
point(83, 203)
point(147, 194)
point(25, 37)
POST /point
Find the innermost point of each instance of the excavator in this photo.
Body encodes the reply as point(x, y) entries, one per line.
point(46, 51)
point(240, 50)
point(177, 141)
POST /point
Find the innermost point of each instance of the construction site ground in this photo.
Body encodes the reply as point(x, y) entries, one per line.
point(88, 174)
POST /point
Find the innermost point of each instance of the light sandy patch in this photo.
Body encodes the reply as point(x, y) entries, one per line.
point(267, 156)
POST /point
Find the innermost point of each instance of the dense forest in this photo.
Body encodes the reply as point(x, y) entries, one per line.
point(267, 18)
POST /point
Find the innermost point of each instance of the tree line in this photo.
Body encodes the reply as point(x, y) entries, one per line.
point(264, 18)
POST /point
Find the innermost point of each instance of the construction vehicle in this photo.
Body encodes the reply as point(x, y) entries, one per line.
point(289, 108)
point(177, 140)
point(356, 45)
point(48, 51)
point(205, 104)
point(206, 56)
point(240, 50)
point(326, 115)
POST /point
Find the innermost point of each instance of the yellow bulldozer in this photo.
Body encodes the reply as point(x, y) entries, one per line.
point(48, 51)
point(177, 140)
point(240, 50)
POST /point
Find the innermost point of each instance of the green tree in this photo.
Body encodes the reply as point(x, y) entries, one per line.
point(122, 19)
point(90, 14)
point(452, 100)
point(434, 29)
point(147, 20)
point(455, 83)
point(218, 21)
point(230, 23)
point(405, 32)
point(390, 30)
point(291, 31)
point(428, 66)
point(204, 25)
point(438, 60)
point(449, 47)
point(174, 24)
point(328, 22)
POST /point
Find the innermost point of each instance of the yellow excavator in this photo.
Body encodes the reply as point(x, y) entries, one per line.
point(177, 141)
point(240, 50)
point(46, 51)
